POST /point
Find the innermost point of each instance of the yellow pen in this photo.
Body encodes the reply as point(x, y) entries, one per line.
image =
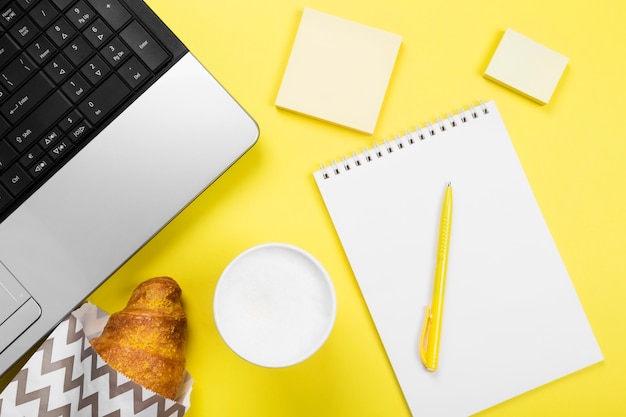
point(431, 332)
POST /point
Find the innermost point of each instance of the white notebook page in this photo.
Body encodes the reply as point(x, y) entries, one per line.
point(512, 320)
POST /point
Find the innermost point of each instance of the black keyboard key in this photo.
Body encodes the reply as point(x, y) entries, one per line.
point(98, 33)
point(115, 52)
point(133, 72)
point(24, 31)
point(144, 45)
point(5, 198)
point(26, 98)
point(80, 14)
point(60, 149)
point(15, 180)
point(104, 99)
point(62, 4)
point(95, 70)
point(40, 167)
point(112, 12)
point(80, 130)
point(76, 87)
point(58, 69)
point(78, 50)
point(66, 67)
point(9, 14)
point(38, 123)
point(7, 155)
point(43, 13)
point(26, 3)
point(4, 126)
point(8, 49)
point(70, 120)
point(31, 156)
point(16, 72)
point(41, 50)
point(50, 139)
point(61, 32)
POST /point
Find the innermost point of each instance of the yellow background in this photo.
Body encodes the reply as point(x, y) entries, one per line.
point(573, 151)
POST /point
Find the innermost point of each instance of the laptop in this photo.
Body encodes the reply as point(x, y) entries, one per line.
point(109, 128)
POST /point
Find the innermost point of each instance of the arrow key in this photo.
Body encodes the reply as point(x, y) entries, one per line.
point(61, 32)
point(97, 33)
point(58, 68)
point(95, 70)
point(60, 149)
point(40, 167)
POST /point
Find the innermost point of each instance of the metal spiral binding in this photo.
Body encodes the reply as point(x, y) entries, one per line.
point(400, 142)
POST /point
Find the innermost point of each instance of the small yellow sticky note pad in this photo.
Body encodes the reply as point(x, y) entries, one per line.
point(526, 66)
point(338, 71)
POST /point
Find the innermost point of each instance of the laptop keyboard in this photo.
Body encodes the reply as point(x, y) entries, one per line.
point(67, 69)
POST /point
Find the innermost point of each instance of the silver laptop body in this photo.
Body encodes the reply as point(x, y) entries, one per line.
point(112, 197)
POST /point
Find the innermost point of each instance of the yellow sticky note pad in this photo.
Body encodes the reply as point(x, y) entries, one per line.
point(526, 66)
point(338, 71)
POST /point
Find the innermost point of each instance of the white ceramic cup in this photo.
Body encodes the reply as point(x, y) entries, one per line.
point(274, 305)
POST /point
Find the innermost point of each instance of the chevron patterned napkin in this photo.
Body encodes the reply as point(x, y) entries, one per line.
point(66, 377)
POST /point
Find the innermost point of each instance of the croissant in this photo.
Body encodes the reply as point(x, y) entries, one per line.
point(146, 340)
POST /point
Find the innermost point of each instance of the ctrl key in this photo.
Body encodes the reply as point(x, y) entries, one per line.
point(15, 180)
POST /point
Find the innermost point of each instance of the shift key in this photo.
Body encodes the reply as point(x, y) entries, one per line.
point(104, 99)
point(40, 122)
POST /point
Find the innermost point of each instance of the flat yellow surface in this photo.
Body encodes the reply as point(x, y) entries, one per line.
point(573, 151)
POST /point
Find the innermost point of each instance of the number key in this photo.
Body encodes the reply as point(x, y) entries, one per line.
point(115, 52)
point(95, 70)
point(78, 50)
point(61, 32)
point(97, 33)
point(104, 99)
point(58, 68)
point(76, 87)
point(41, 50)
point(80, 14)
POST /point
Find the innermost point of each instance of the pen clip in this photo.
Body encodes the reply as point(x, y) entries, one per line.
point(423, 340)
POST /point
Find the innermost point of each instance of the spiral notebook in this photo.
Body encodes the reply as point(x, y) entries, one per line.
point(512, 319)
